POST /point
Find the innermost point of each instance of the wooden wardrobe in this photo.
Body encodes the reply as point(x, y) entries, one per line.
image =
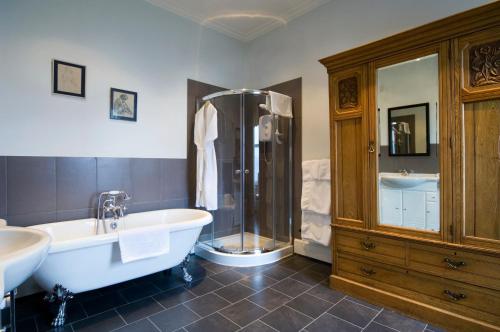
point(449, 273)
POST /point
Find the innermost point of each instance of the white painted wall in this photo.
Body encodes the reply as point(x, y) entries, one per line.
point(127, 44)
point(294, 50)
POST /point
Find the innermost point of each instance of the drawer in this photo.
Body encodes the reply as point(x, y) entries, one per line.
point(469, 300)
point(431, 196)
point(373, 247)
point(477, 269)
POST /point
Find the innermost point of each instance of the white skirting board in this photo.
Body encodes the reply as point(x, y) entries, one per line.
point(313, 250)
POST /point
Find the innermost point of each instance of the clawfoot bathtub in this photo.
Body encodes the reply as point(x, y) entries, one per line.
point(80, 260)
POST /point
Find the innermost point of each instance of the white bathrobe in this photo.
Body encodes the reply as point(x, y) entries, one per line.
point(205, 133)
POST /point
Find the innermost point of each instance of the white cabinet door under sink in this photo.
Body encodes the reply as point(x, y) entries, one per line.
point(432, 218)
point(391, 206)
point(414, 209)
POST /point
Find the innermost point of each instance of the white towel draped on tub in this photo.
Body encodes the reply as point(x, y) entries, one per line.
point(316, 201)
point(205, 133)
point(144, 242)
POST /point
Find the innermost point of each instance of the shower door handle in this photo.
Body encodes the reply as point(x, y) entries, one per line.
point(247, 171)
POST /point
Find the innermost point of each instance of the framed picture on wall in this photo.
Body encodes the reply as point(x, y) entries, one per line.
point(123, 105)
point(68, 79)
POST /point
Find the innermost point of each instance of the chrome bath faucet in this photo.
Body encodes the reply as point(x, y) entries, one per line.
point(111, 202)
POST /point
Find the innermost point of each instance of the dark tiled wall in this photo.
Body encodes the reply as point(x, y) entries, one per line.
point(36, 190)
point(419, 164)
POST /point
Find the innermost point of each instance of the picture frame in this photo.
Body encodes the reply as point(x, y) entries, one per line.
point(123, 105)
point(68, 78)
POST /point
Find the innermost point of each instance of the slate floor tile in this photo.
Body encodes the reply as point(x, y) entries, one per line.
point(309, 305)
point(174, 318)
point(216, 268)
point(140, 309)
point(207, 304)
point(291, 287)
point(269, 299)
point(248, 271)
point(278, 272)
point(309, 277)
point(258, 326)
point(103, 303)
point(399, 322)
point(258, 281)
point(243, 312)
point(103, 322)
point(366, 304)
point(329, 323)
point(212, 323)
point(235, 292)
point(204, 286)
point(140, 291)
point(296, 263)
point(143, 325)
point(227, 277)
point(376, 327)
point(324, 292)
point(285, 319)
point(353, 312)
point(174, 297)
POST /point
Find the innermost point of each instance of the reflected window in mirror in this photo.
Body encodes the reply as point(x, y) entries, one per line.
point(408, 142)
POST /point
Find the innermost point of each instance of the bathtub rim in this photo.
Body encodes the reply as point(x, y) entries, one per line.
point(86, 241)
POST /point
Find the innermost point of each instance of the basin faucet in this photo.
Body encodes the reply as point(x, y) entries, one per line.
point(405, 171)
point(111, 202)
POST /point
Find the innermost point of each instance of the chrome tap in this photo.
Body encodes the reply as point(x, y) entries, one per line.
point(113, 202)
point(405, 171)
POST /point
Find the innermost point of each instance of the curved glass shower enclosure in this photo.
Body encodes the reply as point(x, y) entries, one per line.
point(254, 159)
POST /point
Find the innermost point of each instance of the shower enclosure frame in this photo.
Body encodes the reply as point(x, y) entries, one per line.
point(244, 171)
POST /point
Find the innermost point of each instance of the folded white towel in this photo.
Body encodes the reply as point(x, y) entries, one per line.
point(279, 104)
point(316, 170)
point(144, 242)
point(316, 227)
point(316, 196)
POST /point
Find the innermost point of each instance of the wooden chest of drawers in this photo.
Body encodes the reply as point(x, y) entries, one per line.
point(459, 282)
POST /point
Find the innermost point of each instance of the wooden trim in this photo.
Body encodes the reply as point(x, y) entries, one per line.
point(413, 308)
point(460, 24)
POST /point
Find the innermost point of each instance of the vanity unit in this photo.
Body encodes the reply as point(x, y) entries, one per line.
point(409, 200)
point(429, 98)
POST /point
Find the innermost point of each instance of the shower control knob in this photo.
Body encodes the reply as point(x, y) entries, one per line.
point(247, 171)
point(238, 171)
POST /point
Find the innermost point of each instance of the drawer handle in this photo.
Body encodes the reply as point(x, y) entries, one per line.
point(367, 245)
point(454, 296)
point(368, 272)
point(453, 264)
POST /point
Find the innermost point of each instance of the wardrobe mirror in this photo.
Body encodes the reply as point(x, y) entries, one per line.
point(408, 161)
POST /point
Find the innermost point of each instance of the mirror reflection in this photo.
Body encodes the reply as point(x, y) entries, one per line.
point(408, 163)
point(409, 130)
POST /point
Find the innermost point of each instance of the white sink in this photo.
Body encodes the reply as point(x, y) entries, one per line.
point(22, 250)
point(397, 180)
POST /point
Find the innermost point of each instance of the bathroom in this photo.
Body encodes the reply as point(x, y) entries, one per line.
point(349, 173)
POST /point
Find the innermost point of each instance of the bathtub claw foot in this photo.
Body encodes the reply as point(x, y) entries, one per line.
point(62, 295)
point(188, 278)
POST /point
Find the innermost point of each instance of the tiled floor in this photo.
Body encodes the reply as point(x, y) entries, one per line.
point(291, 295)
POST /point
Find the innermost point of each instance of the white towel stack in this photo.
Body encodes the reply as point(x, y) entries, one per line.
point(144, 242)
point(316, 201)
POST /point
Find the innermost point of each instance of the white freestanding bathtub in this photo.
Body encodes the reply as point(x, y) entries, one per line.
point(80, 260)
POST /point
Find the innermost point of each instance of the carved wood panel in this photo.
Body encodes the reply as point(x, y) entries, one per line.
point(480, 65)
point(484, 64)
point(348, 92)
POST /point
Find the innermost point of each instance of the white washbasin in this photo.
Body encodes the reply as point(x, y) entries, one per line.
point(397, 180)
point(22, 250)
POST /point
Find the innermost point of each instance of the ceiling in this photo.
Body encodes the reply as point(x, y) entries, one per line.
point(241, 19)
